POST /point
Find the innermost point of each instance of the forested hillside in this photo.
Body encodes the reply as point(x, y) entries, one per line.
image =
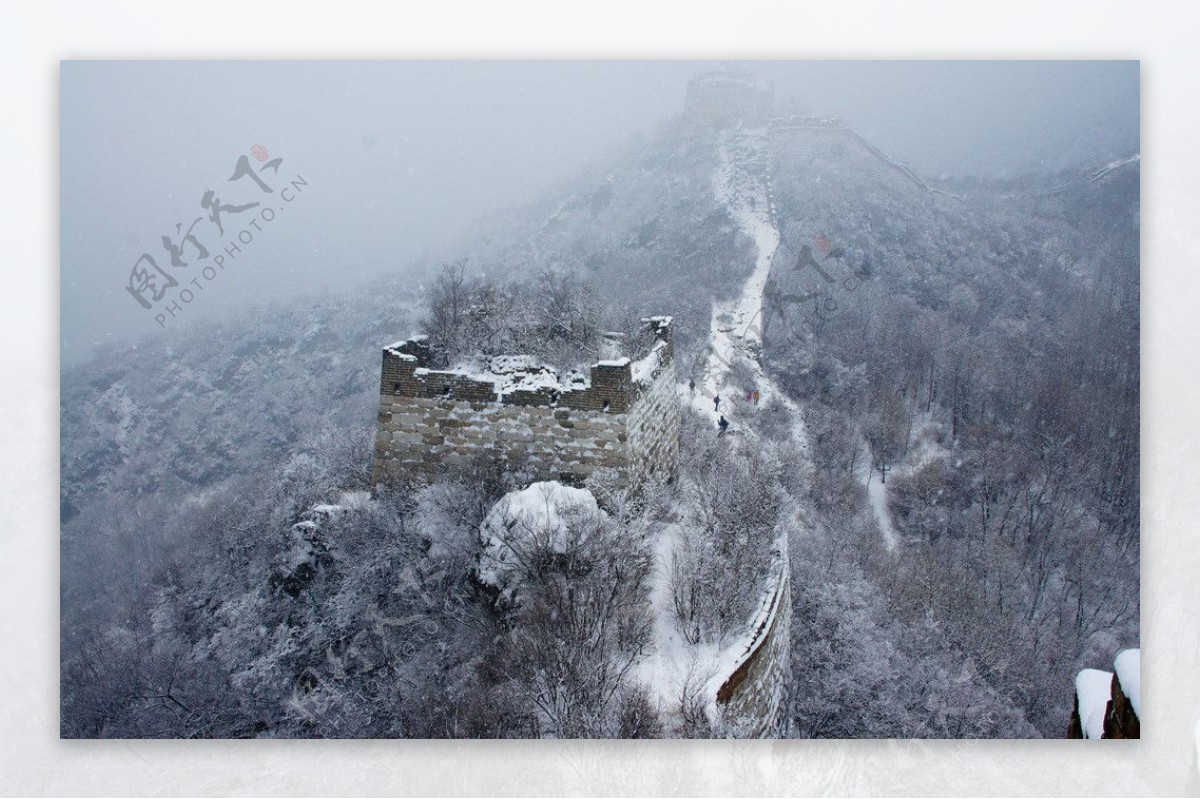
point(963, 528)
point(970, 357)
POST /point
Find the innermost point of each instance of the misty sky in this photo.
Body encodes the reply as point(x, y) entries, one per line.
point(401, 157)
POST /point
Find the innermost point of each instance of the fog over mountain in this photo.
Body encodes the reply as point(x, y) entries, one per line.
point(401, 160)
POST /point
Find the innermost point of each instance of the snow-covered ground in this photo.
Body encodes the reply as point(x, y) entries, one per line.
point(924, 449)
point(877, 495)
point(674, 667)
point(736, 328)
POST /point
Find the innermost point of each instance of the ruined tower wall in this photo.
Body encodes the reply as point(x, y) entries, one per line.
point(419, 437)
point(653, 420)
point(433, 421)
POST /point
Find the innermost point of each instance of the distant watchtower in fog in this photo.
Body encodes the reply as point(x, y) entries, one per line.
point(726, 97)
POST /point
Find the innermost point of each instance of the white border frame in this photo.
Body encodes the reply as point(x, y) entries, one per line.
point(33, 760)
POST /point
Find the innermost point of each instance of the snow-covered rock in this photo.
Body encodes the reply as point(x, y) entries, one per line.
point(1128, 665)
point(1108, 703)
point(527, 527)
point(1124, 713)
point(1092, 691)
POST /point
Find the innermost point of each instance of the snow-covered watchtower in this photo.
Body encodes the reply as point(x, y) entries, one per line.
point(621, 416)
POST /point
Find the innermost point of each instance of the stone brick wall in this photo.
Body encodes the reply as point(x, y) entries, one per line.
point(434, 421)
point(421, 437)
point(804, 142)
point(751, 699)
point(653, 422)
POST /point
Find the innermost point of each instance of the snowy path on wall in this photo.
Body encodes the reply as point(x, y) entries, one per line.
point(742, 184)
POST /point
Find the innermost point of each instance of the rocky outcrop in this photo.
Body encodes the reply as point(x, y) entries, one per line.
point(1107, 704)
point(1120, 720)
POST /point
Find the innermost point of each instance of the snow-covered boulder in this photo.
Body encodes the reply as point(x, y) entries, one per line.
point(531, 530)
point(1108, 703)
point(1128, 665)
point(1092, 692)
point(1123, 720)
